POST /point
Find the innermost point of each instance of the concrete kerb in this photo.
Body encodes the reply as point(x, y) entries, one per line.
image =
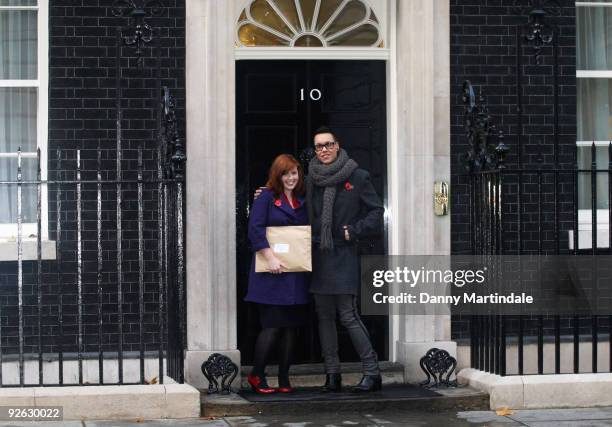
point(541, 391)
point(110, 402)
point(503, 391)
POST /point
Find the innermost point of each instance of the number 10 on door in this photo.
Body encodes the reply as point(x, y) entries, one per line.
point(314, 94)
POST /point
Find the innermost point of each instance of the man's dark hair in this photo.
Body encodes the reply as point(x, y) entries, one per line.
point(324, 129)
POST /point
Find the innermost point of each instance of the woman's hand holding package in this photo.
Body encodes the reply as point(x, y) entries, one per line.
point(274, 263)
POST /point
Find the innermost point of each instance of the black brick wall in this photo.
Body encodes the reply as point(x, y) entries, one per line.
point(82, 115)
point(483, 50)
point(82, 50)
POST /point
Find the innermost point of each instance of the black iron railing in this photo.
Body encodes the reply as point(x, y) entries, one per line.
point(112, 291)
point(515, 211)
point(535, 211)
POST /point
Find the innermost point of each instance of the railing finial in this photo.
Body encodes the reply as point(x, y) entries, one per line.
point(479, 128)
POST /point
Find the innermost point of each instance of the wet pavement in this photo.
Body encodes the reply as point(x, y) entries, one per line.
point(593, 417)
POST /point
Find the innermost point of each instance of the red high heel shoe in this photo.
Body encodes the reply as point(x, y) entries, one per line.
point(259, 385)
point(283, 385)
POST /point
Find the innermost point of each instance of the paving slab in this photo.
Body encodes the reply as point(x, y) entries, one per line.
point(446, 419)
point(580, 417)
point(195, 422)
point(591, 423)
point(328, 420)
point(487, 418)
point(41, 424)
point(539, 415)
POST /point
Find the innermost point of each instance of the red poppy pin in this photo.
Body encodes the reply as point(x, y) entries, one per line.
point(277, 202)
point(348, 186)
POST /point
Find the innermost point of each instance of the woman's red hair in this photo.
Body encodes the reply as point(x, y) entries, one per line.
point(280, 166)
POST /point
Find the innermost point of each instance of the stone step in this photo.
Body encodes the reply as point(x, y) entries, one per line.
point(457, 399)
point(312, 375)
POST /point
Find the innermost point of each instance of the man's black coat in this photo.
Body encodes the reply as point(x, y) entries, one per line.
point(357, 206)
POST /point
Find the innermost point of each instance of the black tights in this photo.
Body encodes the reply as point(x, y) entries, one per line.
point(265, 341)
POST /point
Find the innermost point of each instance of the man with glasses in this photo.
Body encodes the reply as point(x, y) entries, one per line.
point(343, 208)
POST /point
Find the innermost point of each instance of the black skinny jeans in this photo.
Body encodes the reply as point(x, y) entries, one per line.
point(345, 306)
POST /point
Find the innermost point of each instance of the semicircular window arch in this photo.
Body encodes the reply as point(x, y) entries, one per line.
point(308, 23)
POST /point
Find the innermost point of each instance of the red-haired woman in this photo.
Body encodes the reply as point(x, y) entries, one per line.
point(281, 297)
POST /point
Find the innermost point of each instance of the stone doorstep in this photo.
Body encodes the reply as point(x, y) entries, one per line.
point(110, 402)
point(312, 374)
point(463, 399)
point(541, 391)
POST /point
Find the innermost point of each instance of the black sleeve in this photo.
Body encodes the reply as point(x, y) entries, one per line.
point(371, 223)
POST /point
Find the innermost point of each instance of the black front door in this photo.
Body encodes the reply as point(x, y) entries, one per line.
point(279, 104)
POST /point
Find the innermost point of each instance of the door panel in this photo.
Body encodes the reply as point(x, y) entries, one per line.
point(353, 104)
point(345, 93)
point(272, 118)
point(267, 142)
point(271, 93)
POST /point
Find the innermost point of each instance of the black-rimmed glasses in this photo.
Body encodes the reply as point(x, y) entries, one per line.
point(326, 145)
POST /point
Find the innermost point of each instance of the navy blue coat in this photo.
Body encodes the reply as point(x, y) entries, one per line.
point(268, 288)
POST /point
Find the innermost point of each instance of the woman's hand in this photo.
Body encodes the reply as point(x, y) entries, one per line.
point(258, 192)
point(274, 264)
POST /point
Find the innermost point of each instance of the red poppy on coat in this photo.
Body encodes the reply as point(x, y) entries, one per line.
point(348, 186)
point(277, 202)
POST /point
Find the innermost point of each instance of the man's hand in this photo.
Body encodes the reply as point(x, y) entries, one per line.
point(258, 192)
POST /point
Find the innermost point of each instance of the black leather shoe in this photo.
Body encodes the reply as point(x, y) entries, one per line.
point(369, 383)
point(333, 383)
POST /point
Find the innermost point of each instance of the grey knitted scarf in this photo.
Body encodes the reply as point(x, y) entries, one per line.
point(327, 176)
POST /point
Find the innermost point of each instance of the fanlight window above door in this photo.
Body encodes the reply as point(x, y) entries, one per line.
point(309, 23)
